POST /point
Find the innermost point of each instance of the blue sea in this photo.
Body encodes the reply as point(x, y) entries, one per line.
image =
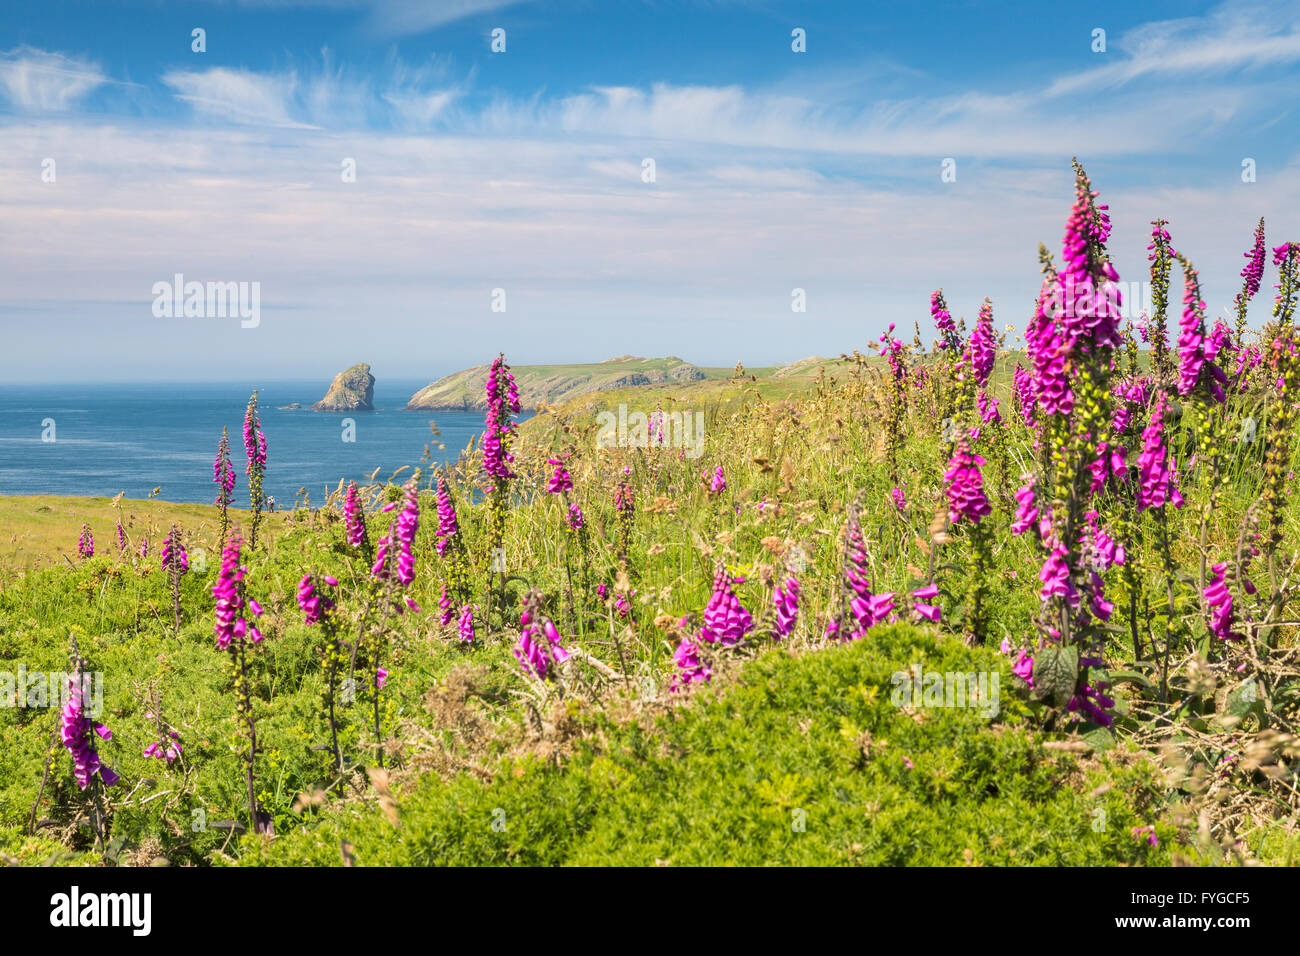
point(137, 437)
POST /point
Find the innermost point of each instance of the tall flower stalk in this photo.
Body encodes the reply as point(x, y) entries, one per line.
point(175, 564)
point(239, 637)
point(498, 434)
point(255, 448)
point(223, 473)
point(1252, 275)
point(456, 581)
point(318, 609)
point(393, 572)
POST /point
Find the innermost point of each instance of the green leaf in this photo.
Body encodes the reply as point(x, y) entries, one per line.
point(1134, 676)
point(1100, 738)
point(1056, 672)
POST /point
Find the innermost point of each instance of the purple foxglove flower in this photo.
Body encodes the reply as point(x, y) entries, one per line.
point(561, 481)
point(313, 603)
point(983, 346)
point(725, 620)
point(354, 516)
point(178, 550)
point(447, 524)
point(86, 546)
point(444, 603)
point(230, 603)
point(786, 600)
point(966, 485)
point(1156, 478)
point(1055, 576)
point(539, 648)
point(76, 730)
point(1026, 505)
point(1219, 599)
point(576, 520)
point(690, 669)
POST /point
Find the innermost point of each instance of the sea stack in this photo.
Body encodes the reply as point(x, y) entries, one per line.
point(353, 390)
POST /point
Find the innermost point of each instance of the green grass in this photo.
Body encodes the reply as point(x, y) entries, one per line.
point(799, 759)
point(715, 779)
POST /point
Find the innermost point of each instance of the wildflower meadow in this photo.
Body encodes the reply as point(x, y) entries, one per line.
point(998, 598)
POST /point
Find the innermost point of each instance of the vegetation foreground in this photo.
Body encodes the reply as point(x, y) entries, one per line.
point(964, 605)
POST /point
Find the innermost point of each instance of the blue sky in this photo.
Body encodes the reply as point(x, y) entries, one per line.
point(522, 171)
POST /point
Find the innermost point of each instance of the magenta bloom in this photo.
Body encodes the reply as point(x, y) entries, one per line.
point(231, 624)
point(1193, 357)
point(465, 626)
point(717, 483)
point(169, 748)
point(863, 603)
point(121, 537)
point(1156, 482)
point(1254, 271)
point(624, 502)
point(900, 499)
point(561, 481)
point(576, 520)
point(725, 619)
point(940, 314)
point(76, 730)
point(539, 648)
point(1024, 667)
point(786, 599)
point(928, 592)
point(621, 604)
point(690, 669)
point(1024, 394)
point(1099, 548)
point(1219, 599)
point(314, 604)
point(1089, 313)
point(982, 346)
point(254, 439)
point(447, 524)
point(401, 537)
point(444, 603)
point(1093, 704)
point(966, 485)
point(988, 408)
point(223, 472)
point(354, 516)
point(502, 400)
point(1055, 576)
point(144, 547)
point(1026, 505)
point(86, 543)
point(182, 559)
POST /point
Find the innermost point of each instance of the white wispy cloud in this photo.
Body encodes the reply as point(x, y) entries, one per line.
point(320, 96)
point(33, 80)
point(1235, 37)
point(392, 18)
point(242, 96)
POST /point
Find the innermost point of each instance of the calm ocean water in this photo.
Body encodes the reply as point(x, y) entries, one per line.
point(134, 438)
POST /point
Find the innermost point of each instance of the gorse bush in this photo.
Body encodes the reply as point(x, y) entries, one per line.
point(625, 654)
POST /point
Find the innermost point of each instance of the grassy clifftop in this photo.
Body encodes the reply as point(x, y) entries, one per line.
point(549, 384)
